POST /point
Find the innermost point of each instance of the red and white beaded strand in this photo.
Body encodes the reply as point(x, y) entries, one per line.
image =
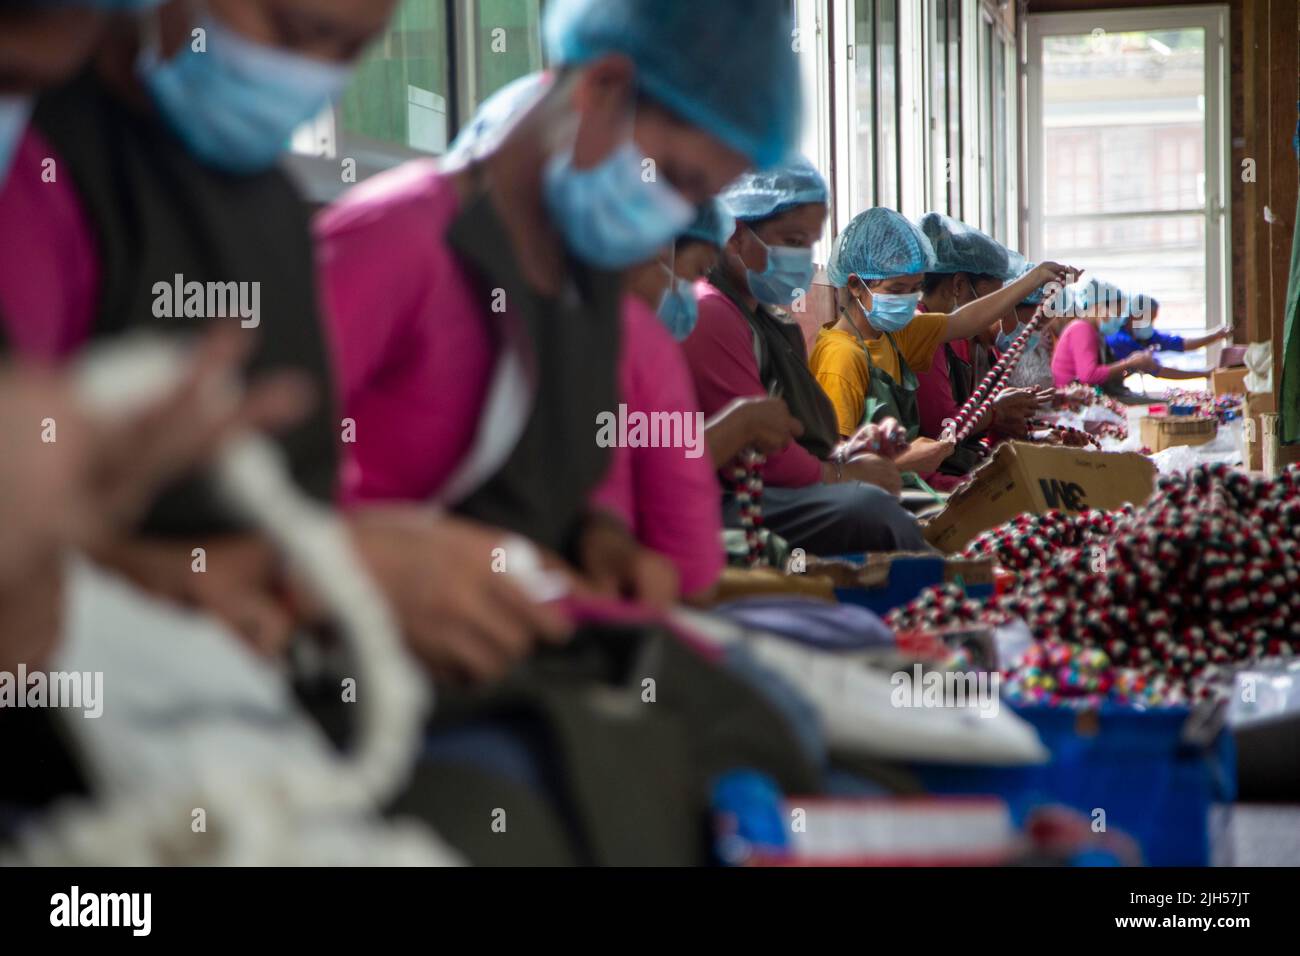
point(993, 384)
point(747, 484)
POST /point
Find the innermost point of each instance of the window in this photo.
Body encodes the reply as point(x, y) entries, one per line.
point(865, 123)
point(941, 156)
point(887, 189)
point(986, 95)
point(1127, 137)
point(507, 43)
point(953, 69)
point(401, 89)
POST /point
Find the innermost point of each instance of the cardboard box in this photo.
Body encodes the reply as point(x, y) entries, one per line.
point(1252, 435)
point(1229, 381)
point(1037, 478)
point(1231, 355)
point(1165, 431)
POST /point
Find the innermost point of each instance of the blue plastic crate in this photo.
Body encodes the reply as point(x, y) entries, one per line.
point(908, 577)
point(1153, 786)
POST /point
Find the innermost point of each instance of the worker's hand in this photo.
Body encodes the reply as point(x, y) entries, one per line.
point(1013, 409)
point(1223, 332)
point(1142, 362)
point(925, 455)
point(1046, 272)
point(1044, 397)
point(613, 563)
point(874, 470)
point(236, 579)
point(74, 476)
point(465, 612)
point(136, 455)
point(765, 424)
point(887, 439)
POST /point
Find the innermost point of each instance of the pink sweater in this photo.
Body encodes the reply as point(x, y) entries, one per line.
point(49, 258)
point(670, 501)
point(720, 353)
point(415, 356)
point(1078, 356)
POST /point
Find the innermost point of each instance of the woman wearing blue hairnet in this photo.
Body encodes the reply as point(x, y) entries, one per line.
point(1139, 334)
point(1098, 309)
point(969, 265)
point(476, 308)
point(741, 348)
point(879, 343)
point(1034, 370)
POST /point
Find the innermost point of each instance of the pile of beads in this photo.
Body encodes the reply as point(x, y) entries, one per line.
point(1075, 398)
point(1048, 434)
point(1070, 675)
point(986, 392)
point(1205, 404)
point(1201, 578)
point(747, 485)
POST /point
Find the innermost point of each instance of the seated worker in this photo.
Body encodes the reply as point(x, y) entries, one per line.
point(968, 265)
point(1099, 309)
point(1139, 334)
point(669, 500)
point(869, 359)
point(1034, 370)
point(741, 349)
point(166, 159)
point(669, 496)
point(477, 308)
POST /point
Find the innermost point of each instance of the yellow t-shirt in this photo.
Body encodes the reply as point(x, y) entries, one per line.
point(916, 342)
point(841, 367)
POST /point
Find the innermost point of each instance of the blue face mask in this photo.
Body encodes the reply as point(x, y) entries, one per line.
point(788, 275)
point(1006, 338)
point(609, 215)
point(1144, 332)
point(891, 313)
point(1110, 326)
point(679, 310)
point(236, 105)
point(14, 111)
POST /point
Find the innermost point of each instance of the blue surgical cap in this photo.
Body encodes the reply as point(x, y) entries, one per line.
point(762, 194)
point(714, 224)
point(726, 66)
point(497, 110)
point(1096, 292)
point(879, 244)
point(962, 248)
point(1039, 295)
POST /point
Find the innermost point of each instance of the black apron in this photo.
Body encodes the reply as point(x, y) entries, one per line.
point(887, 398)
point(572, 346)
point(157, 213)
point(962, 378)
point(783, 368)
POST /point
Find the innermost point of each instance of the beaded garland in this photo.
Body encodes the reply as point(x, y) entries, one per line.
point(1225, 408)
point(1200, 579)
point(993, 384)
point(747, 485)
